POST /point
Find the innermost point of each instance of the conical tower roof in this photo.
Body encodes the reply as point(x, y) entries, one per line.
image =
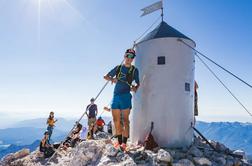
point(164, 30)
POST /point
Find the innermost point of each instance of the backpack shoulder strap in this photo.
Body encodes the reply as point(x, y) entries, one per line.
point(133, 70)
point(118, 68)
point(130, 74)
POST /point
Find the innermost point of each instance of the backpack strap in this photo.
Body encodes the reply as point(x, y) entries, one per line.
point(118, 70)
point(130, 74)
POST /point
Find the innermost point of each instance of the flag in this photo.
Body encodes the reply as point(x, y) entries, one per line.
point(152, 8)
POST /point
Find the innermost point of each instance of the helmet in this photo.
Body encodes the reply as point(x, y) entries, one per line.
point(46, 132)
point(92, 99)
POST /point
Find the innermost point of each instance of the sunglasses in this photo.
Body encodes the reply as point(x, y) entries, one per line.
point(129, 55)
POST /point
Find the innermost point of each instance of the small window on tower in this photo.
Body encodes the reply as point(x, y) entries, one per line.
point(187, 87)
point(161, 60)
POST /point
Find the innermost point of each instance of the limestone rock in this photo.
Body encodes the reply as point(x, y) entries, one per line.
point(195, 152)
point(202, 161)
point(102, 153)
point(183, 162)
point(164, 156)
point(15, 156)
point(220, 161)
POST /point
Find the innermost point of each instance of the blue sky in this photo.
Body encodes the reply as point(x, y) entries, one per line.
point(54, 53)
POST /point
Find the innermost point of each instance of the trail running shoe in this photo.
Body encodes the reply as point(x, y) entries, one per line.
point(123, 147)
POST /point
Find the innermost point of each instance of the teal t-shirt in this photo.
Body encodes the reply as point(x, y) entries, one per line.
point(121, 86)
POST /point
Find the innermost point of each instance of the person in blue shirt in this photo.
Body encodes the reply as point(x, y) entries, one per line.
point(123, 76)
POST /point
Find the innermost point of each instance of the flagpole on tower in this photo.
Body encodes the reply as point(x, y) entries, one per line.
point(162, 10)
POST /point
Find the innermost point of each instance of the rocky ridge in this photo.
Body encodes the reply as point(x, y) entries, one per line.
point(100, 152)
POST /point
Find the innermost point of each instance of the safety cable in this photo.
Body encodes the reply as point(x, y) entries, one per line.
point(229, 72)
point(231, 93)
point(146, 30)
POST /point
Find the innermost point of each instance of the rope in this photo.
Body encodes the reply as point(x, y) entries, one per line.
point(217, 64)
point(231, 93)
point(146, 31)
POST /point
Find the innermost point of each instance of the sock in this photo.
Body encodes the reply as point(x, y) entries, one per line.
point(125, 139)
point(119, 138)
point(92, 133)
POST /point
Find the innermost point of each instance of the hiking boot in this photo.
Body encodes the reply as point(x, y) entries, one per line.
point(123, 147)
point(89, 137)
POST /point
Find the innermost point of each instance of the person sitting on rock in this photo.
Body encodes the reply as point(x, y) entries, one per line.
point(99, 124)
point(46, 148)
point(74, 137)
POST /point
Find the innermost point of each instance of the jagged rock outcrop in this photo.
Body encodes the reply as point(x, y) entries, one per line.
point(101, 152)
point(8, 159)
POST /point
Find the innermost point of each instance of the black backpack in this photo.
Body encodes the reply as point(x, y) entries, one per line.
point(129, 75)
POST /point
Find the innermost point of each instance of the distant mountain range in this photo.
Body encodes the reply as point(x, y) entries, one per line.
point(234, 135)
point(23, 134)
point(62, 124)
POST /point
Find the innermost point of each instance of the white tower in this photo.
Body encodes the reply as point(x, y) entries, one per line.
point(166, 94)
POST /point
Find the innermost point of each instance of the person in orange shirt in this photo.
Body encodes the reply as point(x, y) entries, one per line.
point(100, 123)
point(50, 122)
